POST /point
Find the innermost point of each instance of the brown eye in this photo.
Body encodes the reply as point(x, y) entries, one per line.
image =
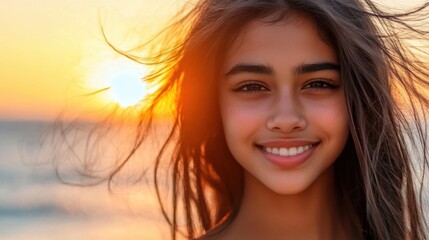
point(251, 87)
point(320, 85)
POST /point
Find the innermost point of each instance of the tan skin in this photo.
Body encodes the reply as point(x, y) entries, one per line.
point(279, 107)
point(311, 214)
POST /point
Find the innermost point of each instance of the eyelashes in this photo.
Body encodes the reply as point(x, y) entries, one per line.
point(259, 87)
point(320, 85)
point(251, 87)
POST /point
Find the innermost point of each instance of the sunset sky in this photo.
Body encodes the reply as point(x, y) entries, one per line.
point(52, 52)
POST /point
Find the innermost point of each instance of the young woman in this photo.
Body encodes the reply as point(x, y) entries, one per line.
point(291, 120)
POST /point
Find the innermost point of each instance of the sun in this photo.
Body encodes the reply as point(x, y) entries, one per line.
point(119, 81)
point(127, 87)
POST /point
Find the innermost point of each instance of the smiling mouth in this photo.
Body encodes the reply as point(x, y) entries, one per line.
point(287, 152)
point(288, 157)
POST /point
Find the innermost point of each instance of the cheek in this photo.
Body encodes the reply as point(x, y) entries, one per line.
point(239, 117)
point(330, 119)
point(233, 113)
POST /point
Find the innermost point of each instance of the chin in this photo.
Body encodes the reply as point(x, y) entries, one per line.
point(294, 183)
point(293, 188)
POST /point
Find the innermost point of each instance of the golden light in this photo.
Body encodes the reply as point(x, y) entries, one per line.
point(127, 88)
point(119, 81)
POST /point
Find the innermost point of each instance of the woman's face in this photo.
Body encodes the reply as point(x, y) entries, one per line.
point(282, 104)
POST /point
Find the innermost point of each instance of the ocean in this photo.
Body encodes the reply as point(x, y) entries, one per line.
point(35, 204)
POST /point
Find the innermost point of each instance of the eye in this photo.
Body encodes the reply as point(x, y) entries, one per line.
point(320, 85)
point(251, 87)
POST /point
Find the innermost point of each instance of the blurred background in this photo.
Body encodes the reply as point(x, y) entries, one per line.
point(52, 56)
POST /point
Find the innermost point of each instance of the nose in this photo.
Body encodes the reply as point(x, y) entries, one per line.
point(286, 116)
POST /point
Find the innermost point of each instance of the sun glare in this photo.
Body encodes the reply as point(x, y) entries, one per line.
point(127, 88)
point(123, 81)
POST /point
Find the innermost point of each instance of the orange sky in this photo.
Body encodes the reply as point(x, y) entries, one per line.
point(51, 51)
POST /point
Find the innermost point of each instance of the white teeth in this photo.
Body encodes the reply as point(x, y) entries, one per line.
point(275, 151)
point(283, 152)
point(288, 151)
point(292, 151)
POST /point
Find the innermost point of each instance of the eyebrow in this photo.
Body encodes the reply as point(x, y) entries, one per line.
point(314, 67)
point(250, 68)
point(265, 69)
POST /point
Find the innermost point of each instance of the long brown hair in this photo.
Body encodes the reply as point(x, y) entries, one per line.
point(381, 70)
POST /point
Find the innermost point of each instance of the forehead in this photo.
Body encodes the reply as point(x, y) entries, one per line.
point(295, 40)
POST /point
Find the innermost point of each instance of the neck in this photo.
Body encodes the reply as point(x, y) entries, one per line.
point(311, 214)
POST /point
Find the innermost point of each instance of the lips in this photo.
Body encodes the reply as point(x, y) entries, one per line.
point(282, 151)
point(287, 154)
